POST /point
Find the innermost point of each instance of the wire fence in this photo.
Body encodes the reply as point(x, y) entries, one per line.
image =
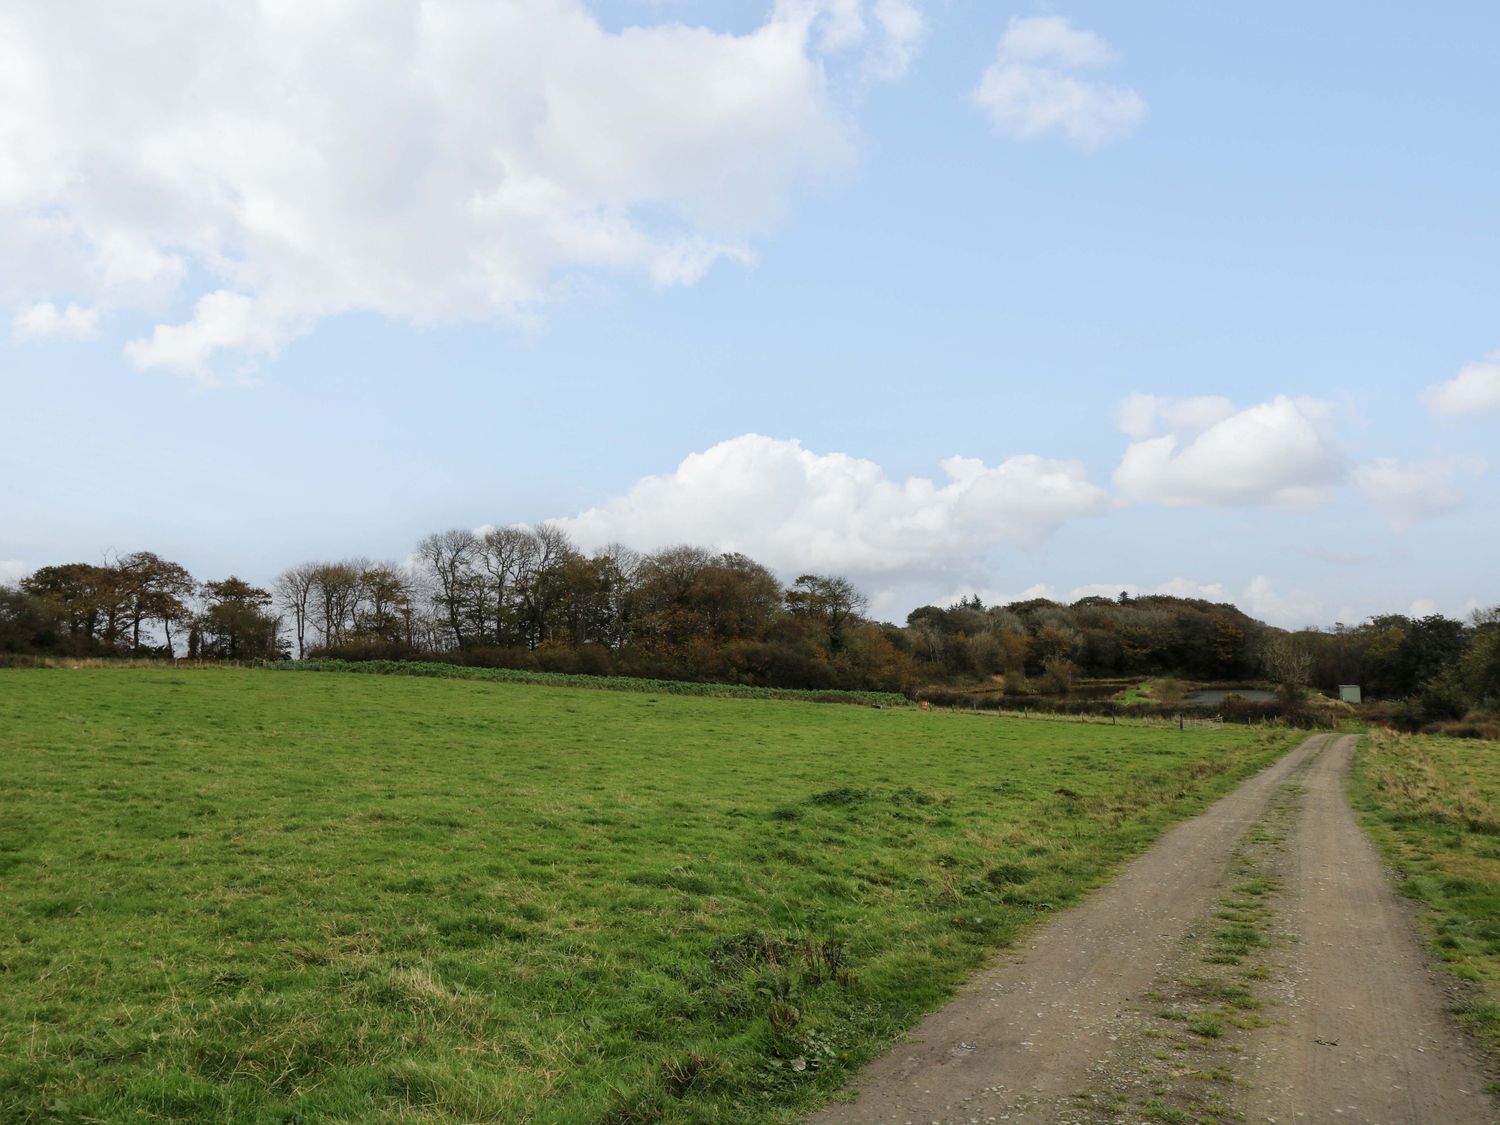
point(1156, 722)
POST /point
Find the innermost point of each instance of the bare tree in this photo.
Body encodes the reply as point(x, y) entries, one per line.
point(622, 567)
point(505, 556)
point(384, 609)
point(336, 592)
point(293, 589)
point(448, 557)
point(544, 586)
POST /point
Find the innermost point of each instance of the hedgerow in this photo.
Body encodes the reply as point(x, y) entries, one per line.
point(580, 680)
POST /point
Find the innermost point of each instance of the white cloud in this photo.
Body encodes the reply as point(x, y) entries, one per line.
point(1294, 610)
point(221, 321)
point(1053, 40)
point(903, 29)
point(12, 571)
point(1474, 390)
point(1204, 451)
point(1407, 494)
point(277, 163)
point(46, 319)
point(1144, 416)
point(1426, 607)
point(797, 510)
point(1032, 87)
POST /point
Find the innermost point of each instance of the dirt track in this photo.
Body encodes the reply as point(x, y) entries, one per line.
point(1353, 1026)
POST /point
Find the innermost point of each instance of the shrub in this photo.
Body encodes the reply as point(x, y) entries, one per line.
point(1058, 674)
point(1015, 683)
point(1441, 700)
point(1168, 692)
point(1481, 728)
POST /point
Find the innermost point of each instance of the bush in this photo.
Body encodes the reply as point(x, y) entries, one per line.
point(27, 623)
point(364, 649)
point(1058, 674)
point(1487, 728)
point(1168, 692)
point(1406, 716)
point(1242, 711)
point(1296, 714)
point(1438, 702)
point(1442, 700)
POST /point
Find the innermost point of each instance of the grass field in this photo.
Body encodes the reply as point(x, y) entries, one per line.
point(1433, 806)
point(237, 895)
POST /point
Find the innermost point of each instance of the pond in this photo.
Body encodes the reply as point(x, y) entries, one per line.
point(1216, 695)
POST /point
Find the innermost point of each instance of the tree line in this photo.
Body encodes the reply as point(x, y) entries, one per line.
point(526, 597)
point(1442, 667)
point(136, 605)
point(507, 597)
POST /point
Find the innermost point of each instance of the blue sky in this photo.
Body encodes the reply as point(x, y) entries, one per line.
point(1202, 301)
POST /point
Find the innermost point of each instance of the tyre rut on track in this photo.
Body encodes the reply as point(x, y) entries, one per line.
point(1358, 1031)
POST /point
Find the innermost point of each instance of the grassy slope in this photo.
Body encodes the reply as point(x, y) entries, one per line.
point(238, 895)
point(1433, 807)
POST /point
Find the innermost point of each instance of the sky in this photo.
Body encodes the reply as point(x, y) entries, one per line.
point(950, 298)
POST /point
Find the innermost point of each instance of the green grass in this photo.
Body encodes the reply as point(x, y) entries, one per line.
point(237, 895)
point(1158, 689)
point(1207, 1027)
point(1432, 805)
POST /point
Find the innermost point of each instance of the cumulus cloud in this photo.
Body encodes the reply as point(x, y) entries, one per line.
point(221, 321)
point(1407, 494)
point(1034, 87)
point(1467, 611)
point(797, 510)
point(1474, 390)
point(1144, 416)
point(1206, 451)
point(1296, 609)
point(427, 160)
point(903, 28)
point(45, 319)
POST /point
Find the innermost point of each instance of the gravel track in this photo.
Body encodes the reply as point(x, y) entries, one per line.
point(1359, 1032)
point(1366, 1034)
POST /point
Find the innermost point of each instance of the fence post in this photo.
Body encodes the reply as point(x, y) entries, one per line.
point(1181, 724)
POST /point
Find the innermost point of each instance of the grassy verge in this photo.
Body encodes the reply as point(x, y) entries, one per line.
point(234, 895)
point(1432, 806)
